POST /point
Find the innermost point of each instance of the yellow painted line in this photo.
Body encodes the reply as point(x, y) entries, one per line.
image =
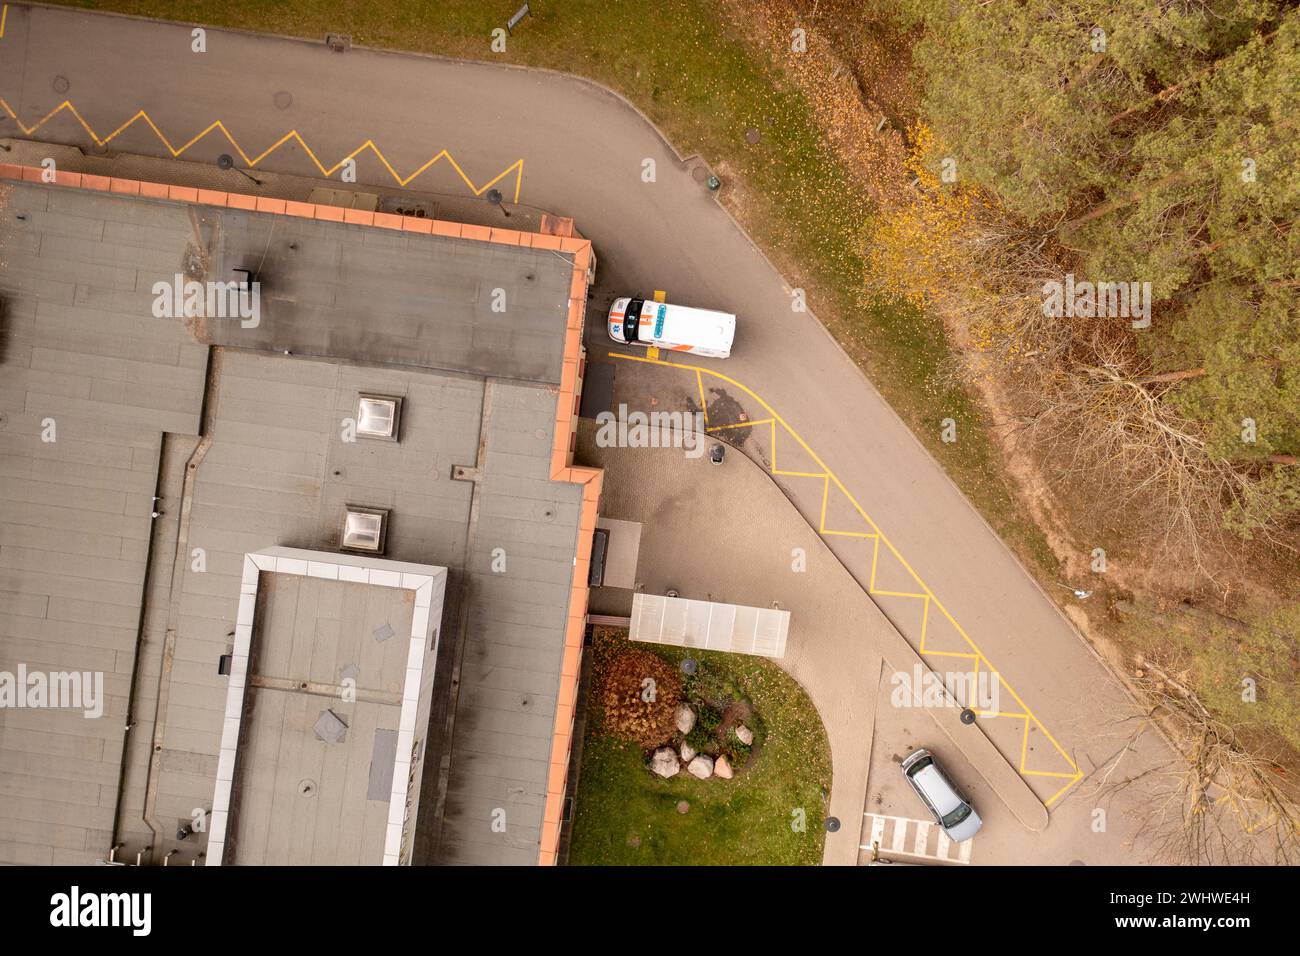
point(4, 15)
point(928, 594)
point(791, 474)
point(826, 490)
point(1024, 747)
point(871, 586)
point(761, 421)
point(1051, 773)
point(517, 167)
point(906, 594)
point(971, 657)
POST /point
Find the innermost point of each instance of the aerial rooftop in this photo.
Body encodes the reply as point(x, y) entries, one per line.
point(243, 446)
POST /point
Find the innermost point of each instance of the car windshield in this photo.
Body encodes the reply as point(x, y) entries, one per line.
point(632, 319)
point(957, 816)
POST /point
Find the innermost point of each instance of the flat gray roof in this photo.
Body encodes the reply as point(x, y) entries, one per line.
point(300, 799)
point(78, 343)
point(75, 526)
point(394, 298)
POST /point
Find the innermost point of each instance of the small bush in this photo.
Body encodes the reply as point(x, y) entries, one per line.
point(638, 691)
point(700, 739)
point(709, 718)
point(736, 750)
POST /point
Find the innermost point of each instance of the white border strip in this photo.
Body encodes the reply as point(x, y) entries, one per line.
point(357, 569)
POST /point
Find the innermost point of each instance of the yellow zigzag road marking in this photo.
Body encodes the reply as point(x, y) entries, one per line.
point(878, 537)
point(517, 167)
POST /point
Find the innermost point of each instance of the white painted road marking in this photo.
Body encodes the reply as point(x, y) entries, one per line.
point(944, 849)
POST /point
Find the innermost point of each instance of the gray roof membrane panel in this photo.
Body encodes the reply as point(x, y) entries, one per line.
point(353, 293)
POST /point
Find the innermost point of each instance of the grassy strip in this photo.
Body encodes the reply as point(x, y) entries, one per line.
point(624, 815)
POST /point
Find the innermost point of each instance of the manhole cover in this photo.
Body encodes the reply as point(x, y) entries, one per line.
point(689, 665)
point(683, 806)
point(832, 824)
point(699, 174)
point(282, 100)
point(306, 788)
point(968, 716)
point(752, 136)
point(61, 85)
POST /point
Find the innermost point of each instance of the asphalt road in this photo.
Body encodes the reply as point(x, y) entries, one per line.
point(578, 150)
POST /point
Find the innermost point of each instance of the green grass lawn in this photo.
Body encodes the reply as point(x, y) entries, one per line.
point(746, 820)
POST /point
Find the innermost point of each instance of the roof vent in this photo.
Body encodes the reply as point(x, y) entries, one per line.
point(377, 416)
point(365, 529)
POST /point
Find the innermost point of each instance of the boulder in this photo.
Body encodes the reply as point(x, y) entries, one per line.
point(745, 734)
point(685, 718)
point(722, 768)
point(701, 766)
point(665, 763)
point(688, 752)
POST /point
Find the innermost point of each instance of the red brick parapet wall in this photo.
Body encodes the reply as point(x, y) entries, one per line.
point(566, 406)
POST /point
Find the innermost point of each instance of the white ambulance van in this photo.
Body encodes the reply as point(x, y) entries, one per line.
point(675, 327)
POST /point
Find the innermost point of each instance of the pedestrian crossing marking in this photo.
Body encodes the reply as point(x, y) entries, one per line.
point(891, 834)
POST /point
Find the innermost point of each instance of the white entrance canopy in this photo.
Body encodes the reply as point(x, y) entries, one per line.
point(706, 626)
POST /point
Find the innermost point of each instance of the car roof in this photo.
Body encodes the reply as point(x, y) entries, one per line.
point(697, 326)
point(937, 788)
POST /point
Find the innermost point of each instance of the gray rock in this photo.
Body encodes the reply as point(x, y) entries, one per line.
point(722, 768)
point(745, 734)
point(665, 762)
point(701, 766)
point(688, 752)
point(685, 718)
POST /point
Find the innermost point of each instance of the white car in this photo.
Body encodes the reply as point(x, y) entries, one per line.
point(951, 810)
point(645, 322)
